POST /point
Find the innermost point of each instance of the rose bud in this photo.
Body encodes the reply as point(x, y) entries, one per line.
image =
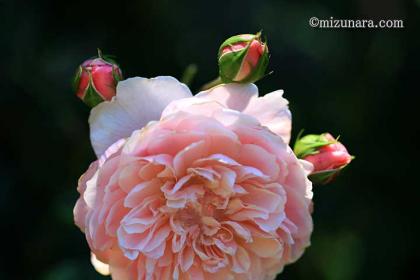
point(96, 80)
point(243, 59)
point(327, 155)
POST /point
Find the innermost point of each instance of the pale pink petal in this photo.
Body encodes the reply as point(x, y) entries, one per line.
point(272, 223)
point(186, 258)
point(178, 242)
point(150, 268)
point(196, 273)
point(233, 96)
point(166, 258)
point(129, 176)
point(193, 106)
point(240, 230)
point(138, 101)
point(188, 155)
point(241, 261)
point(158, 241)
point(81, 209)
point(253, 155)
point(228, 247)
point(141, 192)
point(262, 198)
point(219, 159)
point(116, 213)
point(264, 247)
point(272, 111)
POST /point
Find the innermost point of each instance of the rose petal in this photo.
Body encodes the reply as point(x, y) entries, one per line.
point(265, 247)
point(188, 155)
point(186, 258)
point(241, 261)
point(99, 266)
point(272, 111)
point(233, 96)
point(138, 101)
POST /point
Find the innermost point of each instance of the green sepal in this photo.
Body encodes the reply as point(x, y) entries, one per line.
point(92, 97)
point(326, 176)
point(259, 71)
point(230, 64)
point(310, 144)
point(107, 58)
point(76, 78)
point(116, 75)
point(110, 59)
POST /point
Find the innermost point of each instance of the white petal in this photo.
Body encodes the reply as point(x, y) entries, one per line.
point(138, 101)
point(233, 96)
point(99, 266)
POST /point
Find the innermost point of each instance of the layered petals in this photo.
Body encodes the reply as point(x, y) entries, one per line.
point(271, 110)
point(206, 192)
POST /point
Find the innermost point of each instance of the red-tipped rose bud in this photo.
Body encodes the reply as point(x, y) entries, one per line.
point(243, 59)
point(96, 80)
point(327, 155)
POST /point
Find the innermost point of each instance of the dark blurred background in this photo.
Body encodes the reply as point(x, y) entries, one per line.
point(360, 84)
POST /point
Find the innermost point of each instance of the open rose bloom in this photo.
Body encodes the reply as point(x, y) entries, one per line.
point(202, 187)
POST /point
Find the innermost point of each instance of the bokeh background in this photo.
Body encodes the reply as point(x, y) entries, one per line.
point(360, 84)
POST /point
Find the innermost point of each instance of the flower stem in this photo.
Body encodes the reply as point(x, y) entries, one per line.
point(99, 53)
point(189, 74)
point(211, 84)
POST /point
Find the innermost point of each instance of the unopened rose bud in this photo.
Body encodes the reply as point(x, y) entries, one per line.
point(96, 80)
point(327, 155)
point(243, 59)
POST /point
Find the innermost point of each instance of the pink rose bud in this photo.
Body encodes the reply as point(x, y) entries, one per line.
point(96, 80)
point(243, 59)
point(327, 155)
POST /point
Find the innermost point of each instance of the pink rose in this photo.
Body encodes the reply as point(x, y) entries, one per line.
point(202, 187)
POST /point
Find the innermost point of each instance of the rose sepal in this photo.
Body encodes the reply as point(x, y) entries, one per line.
point(310, 144)
point(325, 176)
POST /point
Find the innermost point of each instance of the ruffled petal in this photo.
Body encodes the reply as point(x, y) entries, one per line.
point(265, 248)
point(272, 111)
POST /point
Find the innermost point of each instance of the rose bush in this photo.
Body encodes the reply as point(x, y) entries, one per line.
point(202, 187)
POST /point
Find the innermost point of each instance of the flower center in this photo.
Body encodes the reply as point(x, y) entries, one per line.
point(203, 214)
point(188, 217)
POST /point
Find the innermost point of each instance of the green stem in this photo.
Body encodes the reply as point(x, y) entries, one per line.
point(189, 74)
point(99, 53)
point(211, 84)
